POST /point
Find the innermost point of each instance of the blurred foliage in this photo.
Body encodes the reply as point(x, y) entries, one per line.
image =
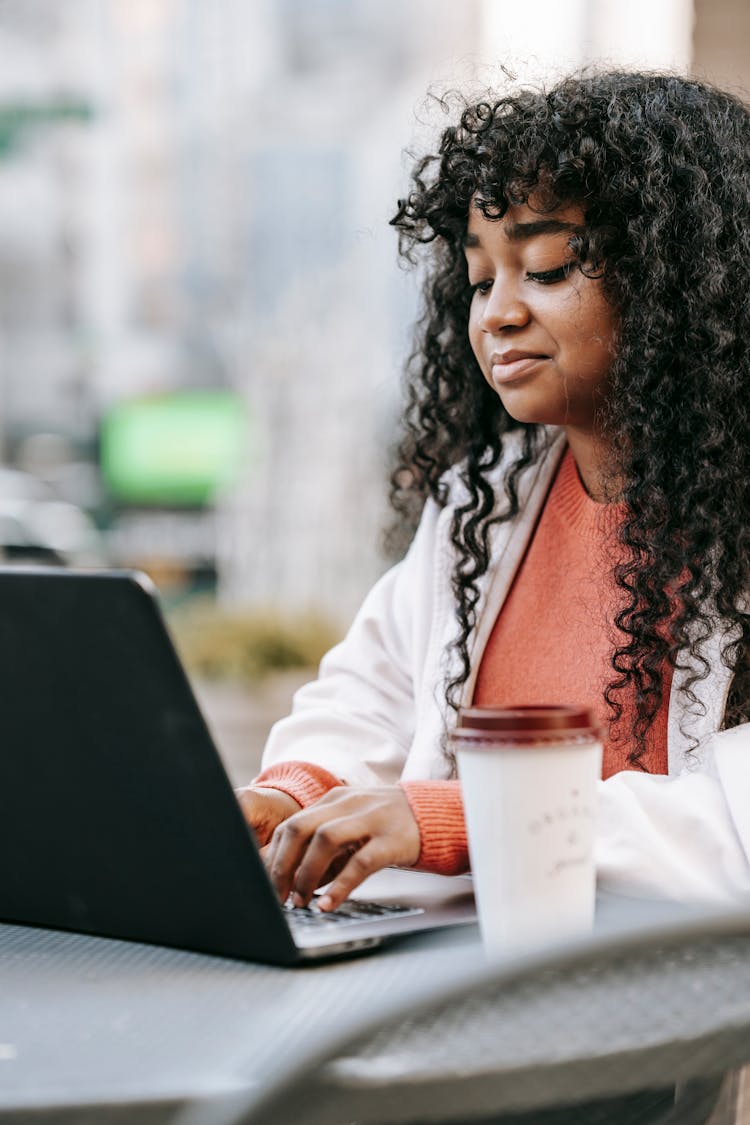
point(17, 120)
point(217, 643)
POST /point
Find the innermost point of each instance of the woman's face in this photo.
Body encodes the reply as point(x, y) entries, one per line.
point(542, 332)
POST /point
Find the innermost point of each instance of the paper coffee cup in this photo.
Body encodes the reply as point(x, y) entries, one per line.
point(529, 781)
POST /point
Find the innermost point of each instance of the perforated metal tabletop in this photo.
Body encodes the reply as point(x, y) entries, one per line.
point(97, 1030)
point(92, 1022)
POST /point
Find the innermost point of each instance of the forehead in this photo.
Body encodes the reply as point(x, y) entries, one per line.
point(522, 222)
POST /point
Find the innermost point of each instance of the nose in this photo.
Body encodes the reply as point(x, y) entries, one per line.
point(504, 308)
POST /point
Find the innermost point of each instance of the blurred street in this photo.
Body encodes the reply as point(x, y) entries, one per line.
point(240, 717)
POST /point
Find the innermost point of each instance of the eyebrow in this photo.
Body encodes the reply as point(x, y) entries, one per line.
point(520, 232)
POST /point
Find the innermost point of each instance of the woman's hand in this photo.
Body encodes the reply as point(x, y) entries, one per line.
point(264, 809)
point(345, 836)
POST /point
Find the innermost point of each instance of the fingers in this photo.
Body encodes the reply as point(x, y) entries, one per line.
point(313, 857)
point(348, 834)
point(363, 863)
point(289, 845)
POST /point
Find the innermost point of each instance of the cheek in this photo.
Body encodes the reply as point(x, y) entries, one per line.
point(475, 335)
point(590, 333)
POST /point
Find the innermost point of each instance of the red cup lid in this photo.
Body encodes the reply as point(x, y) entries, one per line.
point(527, 720)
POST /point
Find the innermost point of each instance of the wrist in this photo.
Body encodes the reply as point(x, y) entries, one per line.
point(282, 800)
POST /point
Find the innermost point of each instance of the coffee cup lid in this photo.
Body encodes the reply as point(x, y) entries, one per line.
point(544, 719)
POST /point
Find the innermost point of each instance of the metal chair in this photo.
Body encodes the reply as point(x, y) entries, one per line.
point(617, 1029)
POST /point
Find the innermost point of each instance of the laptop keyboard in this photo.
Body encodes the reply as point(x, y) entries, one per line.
point(306, 919)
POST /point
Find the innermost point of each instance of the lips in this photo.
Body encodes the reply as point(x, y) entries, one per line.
point(507, 367)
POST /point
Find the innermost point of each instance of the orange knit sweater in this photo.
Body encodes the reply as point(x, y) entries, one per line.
point(551, 643)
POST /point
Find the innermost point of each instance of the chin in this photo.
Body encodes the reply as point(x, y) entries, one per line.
point(533, 414)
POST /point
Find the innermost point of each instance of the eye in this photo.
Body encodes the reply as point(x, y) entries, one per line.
point(481, 286)
point(549, 277)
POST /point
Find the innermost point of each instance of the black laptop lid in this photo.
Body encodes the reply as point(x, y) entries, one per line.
point(116, 815)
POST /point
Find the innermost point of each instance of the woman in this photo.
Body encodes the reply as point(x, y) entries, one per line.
point(577, 437)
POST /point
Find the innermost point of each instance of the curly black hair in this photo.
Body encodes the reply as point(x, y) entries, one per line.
point(661, 166)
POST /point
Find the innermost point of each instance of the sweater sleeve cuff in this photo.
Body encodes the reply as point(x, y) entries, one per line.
point(305, 782)
point(439, 812)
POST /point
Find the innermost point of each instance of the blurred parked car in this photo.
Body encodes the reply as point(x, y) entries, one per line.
point(37, 526)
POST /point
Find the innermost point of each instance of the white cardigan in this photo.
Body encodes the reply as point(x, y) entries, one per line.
point(376, 714)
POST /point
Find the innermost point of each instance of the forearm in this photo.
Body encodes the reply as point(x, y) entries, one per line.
point(331, 734)
point(657, 836)
point(438, 809)
point(358, 719)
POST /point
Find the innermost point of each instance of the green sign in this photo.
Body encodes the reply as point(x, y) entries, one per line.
point(18, 119)
point(179, 449)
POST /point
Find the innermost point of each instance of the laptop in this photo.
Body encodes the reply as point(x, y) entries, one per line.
point(117, 817)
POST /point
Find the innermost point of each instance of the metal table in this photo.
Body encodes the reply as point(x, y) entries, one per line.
point(92, 1022)
point(96, 1030)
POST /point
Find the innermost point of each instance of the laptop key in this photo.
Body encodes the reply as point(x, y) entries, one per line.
point(305, 918)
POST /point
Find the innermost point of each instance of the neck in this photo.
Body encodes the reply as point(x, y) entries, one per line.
point(593, 461)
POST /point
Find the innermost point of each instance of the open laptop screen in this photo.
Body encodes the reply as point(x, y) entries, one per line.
point(117, 817)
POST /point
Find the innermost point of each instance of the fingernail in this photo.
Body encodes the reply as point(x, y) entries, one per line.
point(325, 902)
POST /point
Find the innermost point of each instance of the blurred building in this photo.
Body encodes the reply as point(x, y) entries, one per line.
point(219, 219)
point(721, 43)
point(196, 196)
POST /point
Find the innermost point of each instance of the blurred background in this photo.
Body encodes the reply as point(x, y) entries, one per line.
point(202, 320)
